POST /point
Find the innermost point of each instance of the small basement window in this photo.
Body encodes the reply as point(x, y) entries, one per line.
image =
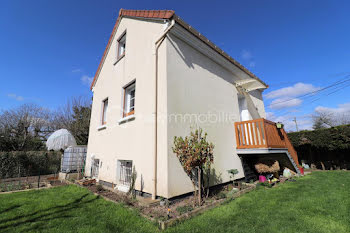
point(95, 168)
point(125, 172)
point(129, 100)
point(104, 111)
point(121, 45)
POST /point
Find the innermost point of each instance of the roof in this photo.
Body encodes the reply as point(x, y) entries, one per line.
point(168, 14)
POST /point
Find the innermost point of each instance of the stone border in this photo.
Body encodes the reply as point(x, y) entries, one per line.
point(165, 224)
point(171, 222)
point(26, 190)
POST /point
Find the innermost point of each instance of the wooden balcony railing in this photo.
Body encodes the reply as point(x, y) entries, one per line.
point(262, 133)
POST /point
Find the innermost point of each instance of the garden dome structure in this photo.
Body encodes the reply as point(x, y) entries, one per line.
point(60, 140)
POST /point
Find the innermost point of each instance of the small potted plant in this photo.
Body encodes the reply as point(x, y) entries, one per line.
point(162, 201)
point(232, 173)
point(279, 125)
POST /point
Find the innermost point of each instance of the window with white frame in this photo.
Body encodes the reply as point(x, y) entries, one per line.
point(129, 100)
point(121, 45)
point(104, 111)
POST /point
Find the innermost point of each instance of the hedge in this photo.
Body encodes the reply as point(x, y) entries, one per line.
point(28, 163)
point(330, 146)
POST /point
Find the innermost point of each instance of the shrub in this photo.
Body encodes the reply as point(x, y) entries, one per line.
point(334, 138)
point(28, 163)
point(329, 147)
point(184, 209)
point(99, 188)
point(220, 195)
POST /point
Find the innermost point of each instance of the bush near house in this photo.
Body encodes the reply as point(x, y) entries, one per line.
point(28, 163)
point(330, 146)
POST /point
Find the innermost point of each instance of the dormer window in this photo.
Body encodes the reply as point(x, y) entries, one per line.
point(129, 100)
point(121, 45)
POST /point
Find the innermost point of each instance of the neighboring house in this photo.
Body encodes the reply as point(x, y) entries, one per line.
point(159, 77)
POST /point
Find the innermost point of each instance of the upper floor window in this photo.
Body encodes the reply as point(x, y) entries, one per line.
point(129, 100)
point(104, 111)
point(121, 45)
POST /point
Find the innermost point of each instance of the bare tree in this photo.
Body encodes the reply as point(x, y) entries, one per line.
point(326, 119)
point(24, 127)
point(75, 117)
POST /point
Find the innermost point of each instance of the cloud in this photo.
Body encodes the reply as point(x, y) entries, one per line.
point(340, 109)
point(252, 64)
point(16, 97)
point(76, 71)
point(285, 103)
point(340, 115)
point(246, 55)
point(292, 91)
point(304, 122)
point(86, 80)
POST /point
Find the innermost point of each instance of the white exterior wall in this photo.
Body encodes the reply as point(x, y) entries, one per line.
point(133, 140)
point(197, 86)
point(188, 83)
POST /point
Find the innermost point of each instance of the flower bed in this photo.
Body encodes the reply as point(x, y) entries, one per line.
point(175, 210)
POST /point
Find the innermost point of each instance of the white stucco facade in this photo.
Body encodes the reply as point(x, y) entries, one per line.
point(195, 89)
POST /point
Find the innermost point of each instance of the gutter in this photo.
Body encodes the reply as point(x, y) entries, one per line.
point(157, 45)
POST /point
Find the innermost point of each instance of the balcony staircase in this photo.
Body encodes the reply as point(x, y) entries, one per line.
point(261, 135)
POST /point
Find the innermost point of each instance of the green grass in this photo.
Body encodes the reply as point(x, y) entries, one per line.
point(66, 209)
point(315, 203)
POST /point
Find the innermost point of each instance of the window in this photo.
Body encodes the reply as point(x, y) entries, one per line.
point(95, 168)
point(104, 111)
point(125, 172)
point(129, 100)
point(121, 45)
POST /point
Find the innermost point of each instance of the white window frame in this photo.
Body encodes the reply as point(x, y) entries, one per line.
point(128, 108)
point(104, 112)
point(121, 46)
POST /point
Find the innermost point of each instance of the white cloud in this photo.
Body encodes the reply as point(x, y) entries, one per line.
point(76, 71)
point(86, 80)
point(16, 97)
point(252, 64)
point(304, 122)
point(246, 55)
point(340, 115)
point(342, 108)
point(285, 103)
point(292, 91)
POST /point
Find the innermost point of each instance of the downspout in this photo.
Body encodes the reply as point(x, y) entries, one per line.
point(157, 45)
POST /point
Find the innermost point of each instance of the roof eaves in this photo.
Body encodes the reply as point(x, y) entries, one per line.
point(168, 14)
point(159, 14)
point(216, 48)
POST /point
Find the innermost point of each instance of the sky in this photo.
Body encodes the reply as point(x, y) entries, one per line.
point(50, 50)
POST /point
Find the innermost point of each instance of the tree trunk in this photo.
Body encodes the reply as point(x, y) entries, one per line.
point(199, 186)
point(208, 182)
point(194, 193)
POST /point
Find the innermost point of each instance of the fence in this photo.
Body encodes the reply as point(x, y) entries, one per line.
point(28, 163)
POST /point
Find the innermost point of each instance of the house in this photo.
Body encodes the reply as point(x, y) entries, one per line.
point(159, 77)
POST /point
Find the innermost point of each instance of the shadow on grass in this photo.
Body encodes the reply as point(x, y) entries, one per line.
point(52, 213)
point(9, 209)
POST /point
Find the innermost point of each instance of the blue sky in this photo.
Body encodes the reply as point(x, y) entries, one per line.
point(51, 49)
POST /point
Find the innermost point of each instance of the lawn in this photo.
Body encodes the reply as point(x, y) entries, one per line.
point(315, 203)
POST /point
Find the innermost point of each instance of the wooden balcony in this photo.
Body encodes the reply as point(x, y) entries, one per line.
point(262, 133)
